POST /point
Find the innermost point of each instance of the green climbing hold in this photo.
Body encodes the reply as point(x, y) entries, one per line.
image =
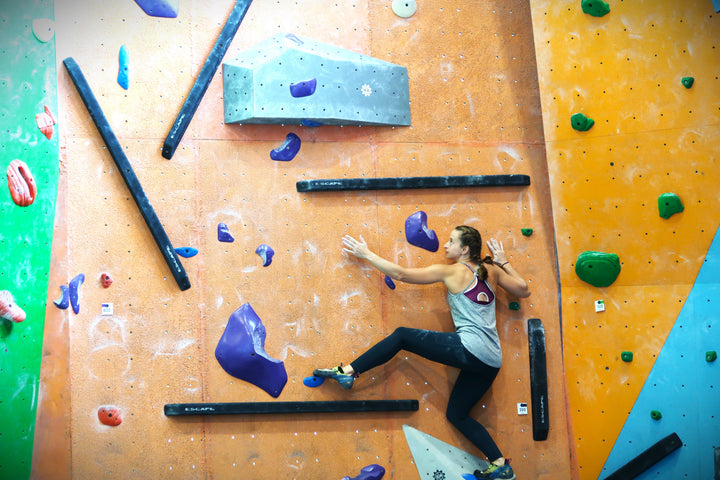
point(597, 268)
point(596, 8)
point(687, 81)
point(581, 123)
point(514, 306)
point(527, 231)
point(626, 356)
point(655, 415)
point(711, 356)
point(669, 204)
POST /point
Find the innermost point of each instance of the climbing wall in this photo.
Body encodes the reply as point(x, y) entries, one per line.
point(651, 136)
point(27, 86)
point(475, 110)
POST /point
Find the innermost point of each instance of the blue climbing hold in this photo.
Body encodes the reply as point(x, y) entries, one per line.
point(266, 253)
point(64, 301)
point(288, 150)
point(371, 472)
point(159, 8)
point(303, 89)
point(224, 234)
point(74, 292)
point(123, 68)
point(417, 232)
point(313, 381)
point(241, 352)
point(186, 252)
point(310, 123)
point(389, 282)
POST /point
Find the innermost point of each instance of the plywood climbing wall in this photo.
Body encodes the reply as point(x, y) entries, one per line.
point(475, 110)
point(651, 136)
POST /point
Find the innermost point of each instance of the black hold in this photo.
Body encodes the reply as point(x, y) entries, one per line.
point(406, 183)
point(254, 408)
point(538, 379)
point(648, 458)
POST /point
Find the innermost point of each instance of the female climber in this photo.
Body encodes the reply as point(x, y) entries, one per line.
point(471, 281)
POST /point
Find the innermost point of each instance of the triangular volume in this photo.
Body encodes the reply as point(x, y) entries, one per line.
point(680, 393)
point(437, 460)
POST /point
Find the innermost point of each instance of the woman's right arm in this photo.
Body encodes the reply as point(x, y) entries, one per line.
point(508, 277)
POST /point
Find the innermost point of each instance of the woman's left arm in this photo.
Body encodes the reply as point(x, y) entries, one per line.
point(508, 277)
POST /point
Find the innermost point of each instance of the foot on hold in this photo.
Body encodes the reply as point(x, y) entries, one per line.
point(504, 472)
point(337, 374)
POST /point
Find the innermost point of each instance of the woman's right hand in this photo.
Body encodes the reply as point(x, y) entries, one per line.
point(355, 247)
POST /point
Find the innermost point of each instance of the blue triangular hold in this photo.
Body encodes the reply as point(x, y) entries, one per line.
point(437, 460)
point(159, 8)
point(683, 386)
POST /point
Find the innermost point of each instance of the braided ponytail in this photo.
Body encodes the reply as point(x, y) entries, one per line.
point(470, 237)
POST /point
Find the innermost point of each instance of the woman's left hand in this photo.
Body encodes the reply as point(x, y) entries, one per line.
point(355, 247)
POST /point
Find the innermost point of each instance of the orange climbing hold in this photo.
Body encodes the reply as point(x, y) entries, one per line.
point(109, 415)
point(45, 122)
point(21, 183)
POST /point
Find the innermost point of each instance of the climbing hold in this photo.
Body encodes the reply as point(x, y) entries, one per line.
point(74, 290)
point(266, 253)
point(109, 415)
point(417, 232)
point(21, 183)
point(288, 150)
point(43, 29)
point(159, 8)
point(514, 306)
point(626, 356)
point(6, 327)
point(9, 309)
point(527, 231)
point(711, 356)
point(303, 89)
point(370, 472)
point(224, 234)
point(389, 282)
point(687, 81)
point(106, 280)
point(404, 8)
point(123, 68)
point(596, 8)
point(241, 352)
point(669, 204)
point(581, 123)
point(186, 252)
point(310, 123)
point(598, 268)
point(45, 122)
point(655, 415)
point(313, 381)
point(64, 301)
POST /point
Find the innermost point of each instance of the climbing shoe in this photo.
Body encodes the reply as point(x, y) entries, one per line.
point(336, 373)
point(504, 472)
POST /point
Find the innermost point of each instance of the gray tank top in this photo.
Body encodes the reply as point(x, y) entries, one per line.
point(475, 324)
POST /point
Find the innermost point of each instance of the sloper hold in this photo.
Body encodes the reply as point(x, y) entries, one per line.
point(599, 269)
point(241, 352)
point(370, 472)
point(109, 415)
point(436, 459)
point(351, 88)
point(304, 88)
point(417, 232)
point(159, 8)
point(669, 204)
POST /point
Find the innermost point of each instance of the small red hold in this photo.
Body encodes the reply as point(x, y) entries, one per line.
point(21, 183)
point(45, 122)
point(106, 280)
point(109, 415)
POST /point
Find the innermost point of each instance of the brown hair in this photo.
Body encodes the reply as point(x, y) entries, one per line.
point(469, 237)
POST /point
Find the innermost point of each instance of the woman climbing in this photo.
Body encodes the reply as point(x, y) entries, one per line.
point(474, 347)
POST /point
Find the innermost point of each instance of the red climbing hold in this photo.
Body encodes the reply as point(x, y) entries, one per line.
point(9, 309)
point(109, 415)
point(45, 122)
point(21, 183)
point(106, 280)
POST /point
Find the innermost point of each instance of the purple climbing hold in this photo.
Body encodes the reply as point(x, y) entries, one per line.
point(241, 352)
point(313, 381)
point(418, 233)
point(74, 290)
point(224, 234)
point(304, 88)
point(64, 301)
point(371, 472)
point(159, 8)
point(311, 123)
point(288, 150)
point(389, 282)
point(123, 78)
point(186, 252)
point(266, 253)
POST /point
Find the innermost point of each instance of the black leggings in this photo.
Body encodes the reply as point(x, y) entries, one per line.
point(473, 381)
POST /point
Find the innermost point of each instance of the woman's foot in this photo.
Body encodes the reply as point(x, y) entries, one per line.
point(504, 472)
point(337, 374)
